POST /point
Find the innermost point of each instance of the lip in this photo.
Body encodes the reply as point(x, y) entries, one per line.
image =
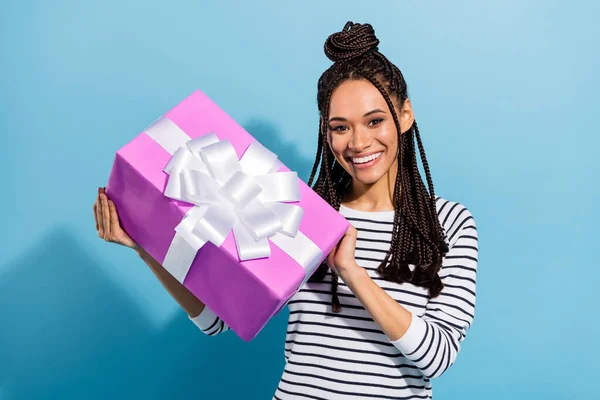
point(367, 164)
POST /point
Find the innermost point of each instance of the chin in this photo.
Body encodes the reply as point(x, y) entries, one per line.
point(368, 177)
point(367, 180)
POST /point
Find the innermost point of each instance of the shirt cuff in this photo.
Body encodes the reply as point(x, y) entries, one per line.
point(413, 337)
point(205, 319)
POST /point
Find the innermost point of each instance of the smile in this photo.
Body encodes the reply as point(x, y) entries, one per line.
point(364, 160)
point(367, 161)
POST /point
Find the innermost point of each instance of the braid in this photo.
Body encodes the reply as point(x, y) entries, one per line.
point(317, 159)
point(417, 234)
point(326, 186)
point(436, 227)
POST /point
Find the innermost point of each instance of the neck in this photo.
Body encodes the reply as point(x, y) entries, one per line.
point(378, 196)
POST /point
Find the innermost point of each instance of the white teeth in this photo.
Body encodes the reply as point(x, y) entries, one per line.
point(362, 160)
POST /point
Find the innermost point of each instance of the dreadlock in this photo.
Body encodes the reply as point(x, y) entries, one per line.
point(418, 238)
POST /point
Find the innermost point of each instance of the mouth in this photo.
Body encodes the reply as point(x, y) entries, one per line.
point(365, 161)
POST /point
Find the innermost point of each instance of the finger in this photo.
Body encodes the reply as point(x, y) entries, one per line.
point(100, 217)
point(114, 217)
point(351, 236)
point(95, 208)
point(106, 215)
point(350, 232)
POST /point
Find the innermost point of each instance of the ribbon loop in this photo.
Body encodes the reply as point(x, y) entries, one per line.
point(260, 221)
point(221, 160)
point(240, 189)
point(196, 145)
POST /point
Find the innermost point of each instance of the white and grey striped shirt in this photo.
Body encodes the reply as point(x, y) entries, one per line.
point(347, 355)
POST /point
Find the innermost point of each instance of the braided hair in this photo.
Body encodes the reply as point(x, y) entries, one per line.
point(419, 238)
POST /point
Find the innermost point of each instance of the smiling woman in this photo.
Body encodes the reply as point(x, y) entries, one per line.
point(405, 273)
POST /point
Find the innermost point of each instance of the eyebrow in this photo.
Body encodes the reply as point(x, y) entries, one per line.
point(377, 110)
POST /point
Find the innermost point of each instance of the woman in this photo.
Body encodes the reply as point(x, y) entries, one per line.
point(390, 309)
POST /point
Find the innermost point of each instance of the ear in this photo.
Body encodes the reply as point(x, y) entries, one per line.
point(406, 116)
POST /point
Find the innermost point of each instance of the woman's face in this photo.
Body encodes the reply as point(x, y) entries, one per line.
point(361, 131)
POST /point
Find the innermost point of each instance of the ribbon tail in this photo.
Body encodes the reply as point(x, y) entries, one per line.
point(279, 187)
point(290, 216)
point(214, 225)
point(258, 160)
point(247, 247)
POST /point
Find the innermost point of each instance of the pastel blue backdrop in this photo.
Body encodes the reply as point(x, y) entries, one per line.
point(506, 94)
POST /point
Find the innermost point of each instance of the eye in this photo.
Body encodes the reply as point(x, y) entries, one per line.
point(337, 128)
point(375, 121)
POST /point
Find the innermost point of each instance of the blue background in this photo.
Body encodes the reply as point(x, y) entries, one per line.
point(505, 93)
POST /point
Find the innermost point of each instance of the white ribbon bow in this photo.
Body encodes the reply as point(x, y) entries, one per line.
point(246, 196)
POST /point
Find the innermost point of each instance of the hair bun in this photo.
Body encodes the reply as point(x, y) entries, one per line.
point(353, 41)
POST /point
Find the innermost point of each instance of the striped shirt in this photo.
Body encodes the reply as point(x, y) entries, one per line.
point(347, 355)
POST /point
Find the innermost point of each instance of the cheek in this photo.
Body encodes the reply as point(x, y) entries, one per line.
point(337, 146)
point(389, 138)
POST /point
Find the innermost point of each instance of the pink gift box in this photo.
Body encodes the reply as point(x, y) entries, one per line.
point(245, 294)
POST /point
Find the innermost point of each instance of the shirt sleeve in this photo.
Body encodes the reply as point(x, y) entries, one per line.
point(209, 323)
point(432, 342)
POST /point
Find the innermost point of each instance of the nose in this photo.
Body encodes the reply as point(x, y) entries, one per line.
point(360, 141)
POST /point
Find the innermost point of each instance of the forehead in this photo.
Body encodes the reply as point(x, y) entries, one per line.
point(355, 98)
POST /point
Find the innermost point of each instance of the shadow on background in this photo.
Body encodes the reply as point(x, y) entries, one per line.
point(68, 332)
point(267, 134)
point(71, 332)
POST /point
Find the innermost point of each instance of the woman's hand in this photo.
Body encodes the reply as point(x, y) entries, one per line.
point(341, 258)
point(109, 229)
point(107, 221)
